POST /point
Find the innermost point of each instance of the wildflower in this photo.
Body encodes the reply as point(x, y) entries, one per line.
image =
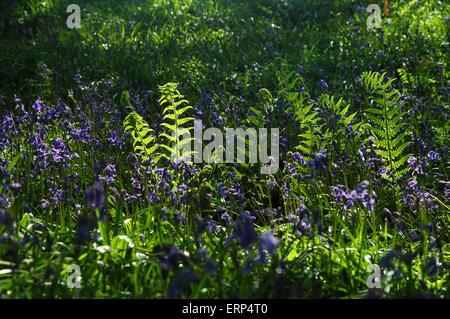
point(222, 190)
point(323, 84)
point(172, 258)
point(414, 236)
point(360, 10)
point(414, 166)
point(80, 135)
point(433, 156)
point(110, 173)
point(296, 157)
point(319, 163)
point(386, 261)
point(114, 140)
point(262, 256)
point(78, 78)
point(269, 242)
point(245, 232)
point(225, 217)
point(58, 197)
point(339, 193)
point(60, 152)
point(44, 203)
point(237, 192)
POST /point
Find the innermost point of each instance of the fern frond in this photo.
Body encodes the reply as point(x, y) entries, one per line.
point(389, 137)
point(174, 123)
point(142, 134)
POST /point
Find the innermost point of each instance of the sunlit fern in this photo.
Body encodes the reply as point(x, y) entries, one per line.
point(406, 78)
point(387, 130)
point(143, 140)
point(175, 122)
point(302, 106)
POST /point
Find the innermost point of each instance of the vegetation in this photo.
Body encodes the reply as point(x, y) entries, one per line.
point(90, 116)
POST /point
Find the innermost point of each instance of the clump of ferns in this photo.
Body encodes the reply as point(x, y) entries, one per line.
point(386, 127)
point(323, 124)
point(291, 98)
point(278, 107)
point(170, 146)
point(169, 152)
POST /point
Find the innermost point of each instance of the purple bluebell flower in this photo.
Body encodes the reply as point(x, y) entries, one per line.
point(44, 203)
point(269, 242)
point(172, 258)
point(414, 165)
point(271, 184)
point(110, 173)
point(296, 157)
point(78, 78)
point(114, 139)
point(245, 231)
point(58, 197)
point(222, 190)
point(225, 217)
point(433, 156)
point(236, 191)
point(323, 84)
point(262, 256)
point(319, 163)
point(180, 218)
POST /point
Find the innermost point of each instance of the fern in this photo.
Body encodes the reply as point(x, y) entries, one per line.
point(388, 134)
point(142, 134)
point(305, 117)
point(175, 121)
point(144, 144)
point(406, 78)
point(338, 121)
point(307, 120)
